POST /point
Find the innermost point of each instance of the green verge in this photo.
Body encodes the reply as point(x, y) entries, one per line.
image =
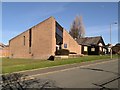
point(14, 65)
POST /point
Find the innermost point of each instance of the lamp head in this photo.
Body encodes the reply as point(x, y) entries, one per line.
point(115, 22)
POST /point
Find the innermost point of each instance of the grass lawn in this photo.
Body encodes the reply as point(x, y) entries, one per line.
point(14, 65)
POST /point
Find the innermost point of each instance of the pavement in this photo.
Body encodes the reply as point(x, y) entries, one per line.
point(101, 74)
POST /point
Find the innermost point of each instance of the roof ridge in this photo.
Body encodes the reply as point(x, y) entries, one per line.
point(89, 40)
point(91, 37)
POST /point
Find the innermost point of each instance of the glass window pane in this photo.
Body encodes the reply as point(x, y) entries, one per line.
point(59, 32)
point(85, 48)
point(92, 49)
point(65, 45)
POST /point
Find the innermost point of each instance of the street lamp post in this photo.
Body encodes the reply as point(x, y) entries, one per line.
point(111, 40)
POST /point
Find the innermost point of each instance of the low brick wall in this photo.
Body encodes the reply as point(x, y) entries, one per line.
point(61, 57)
point(68, 56)
point(75, 55)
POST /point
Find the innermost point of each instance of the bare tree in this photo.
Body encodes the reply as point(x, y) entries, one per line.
point(77, 28)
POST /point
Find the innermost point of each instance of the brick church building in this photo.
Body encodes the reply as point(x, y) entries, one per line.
point(42, 40)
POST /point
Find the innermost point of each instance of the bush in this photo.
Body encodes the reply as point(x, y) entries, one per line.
point(85, 52)
point(72, 53)
point(51, 58)
point(62, 52)
point(118, 53)
point(101, 53)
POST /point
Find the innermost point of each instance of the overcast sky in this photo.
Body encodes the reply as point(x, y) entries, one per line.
point(97, 17)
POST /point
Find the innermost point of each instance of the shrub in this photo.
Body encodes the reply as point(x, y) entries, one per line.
point(72, 53)
point(101, 53)
point(62, 52)
point(118, 53)
point(85, 53)
point(51, 58)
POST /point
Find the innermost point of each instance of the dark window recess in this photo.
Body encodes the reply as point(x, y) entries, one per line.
point(59, 34)
point(11, 54)
point(30, 37)
point(24, 40)
point(59, 40)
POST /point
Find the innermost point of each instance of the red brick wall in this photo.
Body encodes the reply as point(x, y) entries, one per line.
point(4, 52)
point(43, 41)
point(72, 45)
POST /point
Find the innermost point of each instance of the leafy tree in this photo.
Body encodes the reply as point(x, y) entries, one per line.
point(77, 28)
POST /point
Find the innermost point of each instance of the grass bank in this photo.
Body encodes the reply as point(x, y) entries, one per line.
point(14, 65)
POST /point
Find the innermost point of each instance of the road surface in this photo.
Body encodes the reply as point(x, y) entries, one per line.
point(97, 75)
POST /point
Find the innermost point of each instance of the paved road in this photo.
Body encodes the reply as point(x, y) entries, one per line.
point(97, 75)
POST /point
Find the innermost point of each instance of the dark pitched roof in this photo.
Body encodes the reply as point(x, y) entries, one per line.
point(2, 45)
point(90, 40)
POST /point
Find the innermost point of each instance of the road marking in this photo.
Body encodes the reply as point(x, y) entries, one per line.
point(71, 68)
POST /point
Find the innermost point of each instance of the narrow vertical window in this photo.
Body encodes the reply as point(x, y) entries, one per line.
point(30, 40)
point(30, 37)
point(24, 40)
